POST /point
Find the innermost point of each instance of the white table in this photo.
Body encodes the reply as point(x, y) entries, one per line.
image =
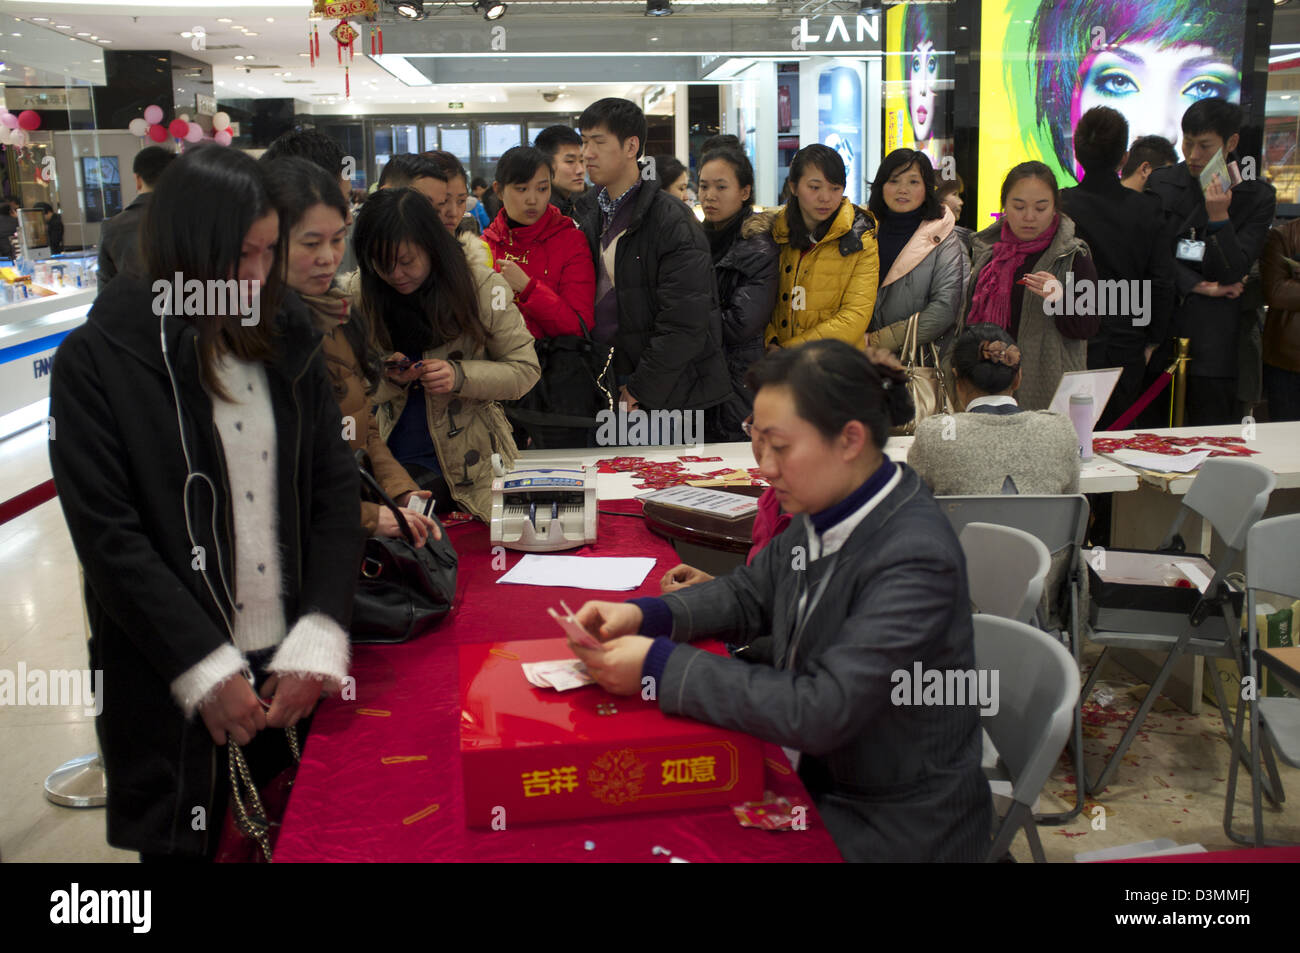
point(1099, 475)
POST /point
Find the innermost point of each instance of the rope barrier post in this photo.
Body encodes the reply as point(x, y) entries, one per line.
point(1179, 401)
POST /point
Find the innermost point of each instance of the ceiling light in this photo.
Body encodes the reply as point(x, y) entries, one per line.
point(491, 9)
point(105, 41)
point(658, 8)
point(224, 20)
point(250, 33)
point(79, 34)
point(62, 26)
point(238, 56)
point(270, 19)
point(411, 9)
point(41, 19)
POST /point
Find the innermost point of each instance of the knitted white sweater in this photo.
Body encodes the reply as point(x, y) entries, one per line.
point(316, 645)
point(1038, 450)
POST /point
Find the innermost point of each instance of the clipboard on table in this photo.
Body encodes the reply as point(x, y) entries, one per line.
point(1099, 383)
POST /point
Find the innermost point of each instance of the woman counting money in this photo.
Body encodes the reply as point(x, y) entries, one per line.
point(866, 581)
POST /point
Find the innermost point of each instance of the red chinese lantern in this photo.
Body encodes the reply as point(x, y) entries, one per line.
point(29, 119)
point(157, 133)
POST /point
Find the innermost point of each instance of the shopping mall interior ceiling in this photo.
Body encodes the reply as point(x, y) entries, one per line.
point(540, 54)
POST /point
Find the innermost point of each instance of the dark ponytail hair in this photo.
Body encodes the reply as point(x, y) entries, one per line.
point(740, 165)
point(296, 186)
point(834, 383)
point(1031, 170)
point(986, 376)
point(195, 225)
point(826, 161)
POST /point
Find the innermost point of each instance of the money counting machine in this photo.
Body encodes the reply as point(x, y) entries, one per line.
point(544, 510)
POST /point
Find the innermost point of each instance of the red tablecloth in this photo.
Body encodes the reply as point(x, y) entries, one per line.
point(349, 805)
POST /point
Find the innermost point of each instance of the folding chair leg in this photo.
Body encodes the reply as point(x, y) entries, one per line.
point(1273, 789)
point(1112, 765)
point(1092, 676)
point(1272, 786)
point(1035, 845)
point(1230, 796)
point(1077, 736)
point(1008, 827)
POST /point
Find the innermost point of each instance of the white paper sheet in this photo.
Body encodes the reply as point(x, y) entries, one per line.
point(620, 573)
point(1162, 462)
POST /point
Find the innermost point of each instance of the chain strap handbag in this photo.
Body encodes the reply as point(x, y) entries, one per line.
point(252, 819)
point(924, 381)
point(576, 384)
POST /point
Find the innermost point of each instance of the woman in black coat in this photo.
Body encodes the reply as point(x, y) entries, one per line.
point(212, 502)
point(745, 264)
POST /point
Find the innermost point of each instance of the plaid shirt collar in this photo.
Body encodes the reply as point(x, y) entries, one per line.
point(609, 206)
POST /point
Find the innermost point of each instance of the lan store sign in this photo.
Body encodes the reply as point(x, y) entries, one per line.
point(866, 26)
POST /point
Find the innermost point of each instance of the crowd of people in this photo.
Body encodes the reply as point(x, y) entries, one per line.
point(220, 565)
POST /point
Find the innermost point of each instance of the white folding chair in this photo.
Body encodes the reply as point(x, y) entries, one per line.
point(1005, 570)
point(1271, 566)
point(1061, 523)
point(1231, 496)
point(1038, 682)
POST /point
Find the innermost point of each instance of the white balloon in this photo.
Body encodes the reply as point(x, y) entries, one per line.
point(184, 117)
point(221, 121)
point(138, 127)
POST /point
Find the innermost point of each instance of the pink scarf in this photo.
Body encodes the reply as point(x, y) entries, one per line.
point(991, 302)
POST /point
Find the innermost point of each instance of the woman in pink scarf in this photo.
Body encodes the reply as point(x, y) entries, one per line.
point(1034, 247)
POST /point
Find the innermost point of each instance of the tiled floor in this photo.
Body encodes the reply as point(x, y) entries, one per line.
point(1171, 786)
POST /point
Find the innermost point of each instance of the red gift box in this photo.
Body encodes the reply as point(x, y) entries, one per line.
point(534, 754)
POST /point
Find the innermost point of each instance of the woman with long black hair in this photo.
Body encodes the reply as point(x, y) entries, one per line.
point(212, 503)
point(456, 345)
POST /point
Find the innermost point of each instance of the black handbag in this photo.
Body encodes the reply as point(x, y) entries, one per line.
point(577, 383)
point(403, 590)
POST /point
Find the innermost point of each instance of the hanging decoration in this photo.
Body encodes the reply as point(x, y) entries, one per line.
point(344, 33)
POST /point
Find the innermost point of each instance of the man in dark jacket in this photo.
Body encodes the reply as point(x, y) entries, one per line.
point(153, 564)
point(1124, 231)
point(1217, 235)
point(568, 174)
point(656, 300)
point(119, 239)
point(53, 227)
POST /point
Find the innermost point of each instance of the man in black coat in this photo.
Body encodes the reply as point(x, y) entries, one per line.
point(568, 174)
point(656, 300)
point(119, 238)
point(1124, 231)
point(1217, 234)
point(156, 568)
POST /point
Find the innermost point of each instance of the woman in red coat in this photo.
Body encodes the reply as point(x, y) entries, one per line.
point(539, 251)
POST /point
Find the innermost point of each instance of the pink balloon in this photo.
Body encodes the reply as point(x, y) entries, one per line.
point(153, 114)
point(195, 132)
point(223, 137)
point(9, 120)
point(29, 119)
point(18, 138)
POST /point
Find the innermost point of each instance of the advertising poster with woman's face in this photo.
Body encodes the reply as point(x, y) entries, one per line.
point(918, 80)
point(1046, 62)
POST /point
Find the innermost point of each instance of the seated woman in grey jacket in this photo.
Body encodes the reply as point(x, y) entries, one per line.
point(923, 264)
point(994, 447)
point(866, 582)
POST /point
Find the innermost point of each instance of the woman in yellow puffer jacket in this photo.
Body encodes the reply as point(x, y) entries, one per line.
point(828, 263)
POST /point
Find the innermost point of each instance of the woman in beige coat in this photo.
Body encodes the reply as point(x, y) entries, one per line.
point(457, 345)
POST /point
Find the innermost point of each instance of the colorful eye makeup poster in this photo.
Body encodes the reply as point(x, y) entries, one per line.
point(1046, 62)
point(919, 66)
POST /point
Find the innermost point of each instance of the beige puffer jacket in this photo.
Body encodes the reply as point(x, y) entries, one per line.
point(468, 424)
